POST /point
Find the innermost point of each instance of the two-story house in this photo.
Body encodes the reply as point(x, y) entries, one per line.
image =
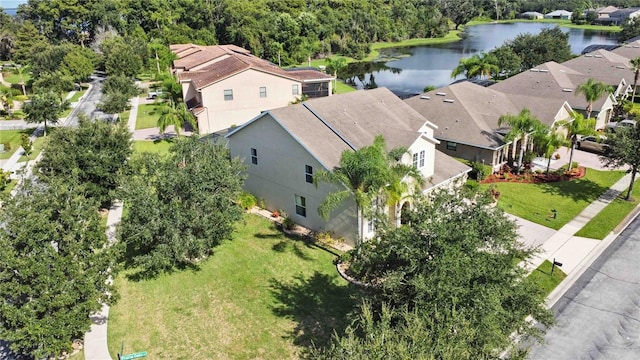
point(225, 85)
point(283, 148)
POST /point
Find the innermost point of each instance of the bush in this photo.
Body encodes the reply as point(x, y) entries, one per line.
point(247, 200)
point(471, 188)
point(478, 170)
point(7, 146)
point(288, 223)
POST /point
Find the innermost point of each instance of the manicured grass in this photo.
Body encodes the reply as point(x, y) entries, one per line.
point(14, 78)
point(612, 215)
point(124, 116)
point(38, 144)
point(534, 202)
point(157, 146)
point(544, 279)
point(148, 115)
point(14, 138)
point(261, 295)
point(342, 88)
point(8, 187)
point(77, 95)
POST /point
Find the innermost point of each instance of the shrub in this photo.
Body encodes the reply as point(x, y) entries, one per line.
point(478, 170)
point(471, 188)
point(7, 146)
point(247, 200)
point(288, 223)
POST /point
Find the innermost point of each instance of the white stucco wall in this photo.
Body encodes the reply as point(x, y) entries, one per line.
point(246, 103)
point(280, 175)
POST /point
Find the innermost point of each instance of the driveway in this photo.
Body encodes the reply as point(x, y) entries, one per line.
point(584, 158)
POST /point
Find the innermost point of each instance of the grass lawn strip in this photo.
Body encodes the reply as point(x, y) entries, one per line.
point(534, 202)
point(612, 215)
point(77, 96)
point(14, 138)
point(159, 146)
point(543, 278)
point(342, 88)
point(259, 296)
point(148, 115)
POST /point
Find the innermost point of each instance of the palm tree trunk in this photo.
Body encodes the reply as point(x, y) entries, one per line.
point(548, 164)
point(635, 83)
point(522, 146)
point(573, 145)
point(633, 179)
point(360, 227)
point(45, 128)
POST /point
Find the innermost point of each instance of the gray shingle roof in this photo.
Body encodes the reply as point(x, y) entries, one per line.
point(603, 65)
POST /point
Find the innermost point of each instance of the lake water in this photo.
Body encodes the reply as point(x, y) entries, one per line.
point(432, 65)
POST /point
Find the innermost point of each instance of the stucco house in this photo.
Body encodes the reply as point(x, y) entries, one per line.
point(283, 148)
point(531, 15)
point(618, 16)
point(559, 14)
point(225, 85)
point(553, 81)
point(467, 118)
point(629, 50)
point(605, 66)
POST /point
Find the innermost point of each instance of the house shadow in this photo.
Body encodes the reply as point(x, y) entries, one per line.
point(577, 190)
point(317, 304)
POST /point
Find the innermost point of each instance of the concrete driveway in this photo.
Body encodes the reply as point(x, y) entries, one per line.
point(584, 158)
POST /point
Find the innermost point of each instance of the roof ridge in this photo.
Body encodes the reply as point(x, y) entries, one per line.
point(334, 130)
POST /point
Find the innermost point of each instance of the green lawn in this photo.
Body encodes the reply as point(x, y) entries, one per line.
point(612, 215)
point(342, 88)
point(157, 146)
point(535, 201)
point(77, 95)
point(543, 278)
point(261, 295)
point(14, 78)
point(14, 139)
point(148, 115)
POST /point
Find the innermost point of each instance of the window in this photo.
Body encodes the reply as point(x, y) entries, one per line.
point(263, 91)
point(301, 205)
point(294, 89)
point(370, 226)
point(452, 146)
point(254, 156)
point(415, 160)
point(228, 95)
point(308, 173)
point(422, 158)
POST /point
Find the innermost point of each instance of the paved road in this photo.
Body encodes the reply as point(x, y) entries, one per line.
point(88, 105)
point(599, 316)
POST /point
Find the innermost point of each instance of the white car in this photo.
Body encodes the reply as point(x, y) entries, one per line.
point(592, 143)
point(611, 127)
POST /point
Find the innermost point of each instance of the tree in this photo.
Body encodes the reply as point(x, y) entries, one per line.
point(623, 149)
point(121, 58)
point(577, 126)
point(79, 64)
point(547, 142)
point(507, 61)
point(180, 206)
point(363, 174)
point(176, 115)
point(54, 268)
point(114, 103)
point(44, 108)
point(92, 154)
point(428, 88)
point(635, 65)
point(27, 38)
point(548, 45)
point(592, 91)
point(478, 65)
point(6, 99)
point(21, 70)
point(459, 12)
point(55, 82)
point(453, 268)
point(630, 29)
point(521, 126)
point(26, 144)
point(120, 84)
point(335, 65)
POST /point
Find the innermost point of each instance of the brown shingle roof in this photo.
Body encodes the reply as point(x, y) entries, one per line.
point(603, 65)
point(445, 168)
point(630, 50)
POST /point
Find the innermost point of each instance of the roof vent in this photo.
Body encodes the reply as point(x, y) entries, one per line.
point(544, 70)
point(567, 90)
point(621, 67)
point(534, 70)
point(448, 100)
point(441, 94)
point(423, 97)
point(597, 56)
point(588, 55)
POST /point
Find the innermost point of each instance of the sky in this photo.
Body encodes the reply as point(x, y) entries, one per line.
point(11, 4)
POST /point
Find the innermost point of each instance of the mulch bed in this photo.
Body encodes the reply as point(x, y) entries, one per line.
point(535, 178)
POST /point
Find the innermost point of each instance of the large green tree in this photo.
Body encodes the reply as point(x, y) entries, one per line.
point(635, 65)
point(576, 127)
point(478, 65)
point(453, 270)
point(593, 90)
point(548, 45)
point(180, 206)
point(54, 268)
point(92, 154)
point(44, 108)
point(175, 114)
point(521, 126)
point(624, 149)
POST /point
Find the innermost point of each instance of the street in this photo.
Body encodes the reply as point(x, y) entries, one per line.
point(599, 316)
point(88, 105)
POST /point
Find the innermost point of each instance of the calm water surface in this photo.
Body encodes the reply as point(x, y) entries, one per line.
point(432, 65)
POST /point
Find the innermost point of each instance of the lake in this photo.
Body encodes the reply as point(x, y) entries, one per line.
point(413, 68)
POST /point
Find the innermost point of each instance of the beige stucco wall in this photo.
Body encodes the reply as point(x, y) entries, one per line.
point(604, 115)
point(430, 152)
point(280, 175)
point(246, 103)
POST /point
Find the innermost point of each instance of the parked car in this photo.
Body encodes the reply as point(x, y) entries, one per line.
point(592, 143)
point(611, 127)
point(154, 94)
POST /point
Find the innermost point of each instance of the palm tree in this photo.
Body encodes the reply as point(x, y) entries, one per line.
point(21, 69)
point(335, 65)
point(464, 67)
point(478, 65)
point(175, 115)
point(592, 91)
point(548, 141)
point(635, 64)
point(6, 99)
point(521, 126)
point(366, 174)
point(577, 126)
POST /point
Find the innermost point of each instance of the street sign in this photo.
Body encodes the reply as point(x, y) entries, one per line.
point(133, 356)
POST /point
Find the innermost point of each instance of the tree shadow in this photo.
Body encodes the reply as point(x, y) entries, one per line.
point(577, 190)
point(317, 304)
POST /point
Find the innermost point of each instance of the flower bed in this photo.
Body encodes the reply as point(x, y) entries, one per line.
point(536, 178)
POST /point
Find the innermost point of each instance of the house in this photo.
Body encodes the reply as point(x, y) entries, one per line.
point(531, 15)
point(629, 50)
point(225, 85)
point(283, 148)
point(551, 81)
point(559, 15)
point(467, 118)
point(607, 67)
point(619, 16)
